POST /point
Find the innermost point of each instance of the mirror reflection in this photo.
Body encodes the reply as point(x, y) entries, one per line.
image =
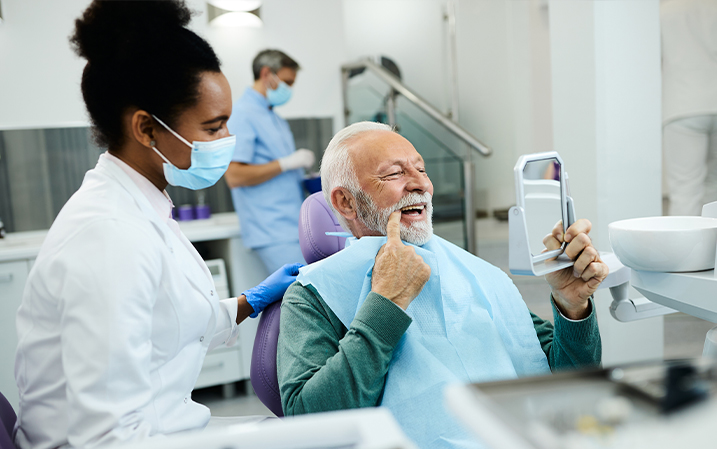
point(541, 184)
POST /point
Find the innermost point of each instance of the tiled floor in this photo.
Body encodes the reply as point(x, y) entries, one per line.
point(684, 335)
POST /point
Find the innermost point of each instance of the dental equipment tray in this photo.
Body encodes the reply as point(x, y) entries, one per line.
point(636, 406)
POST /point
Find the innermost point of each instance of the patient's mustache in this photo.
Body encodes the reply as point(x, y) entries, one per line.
point(411, 199)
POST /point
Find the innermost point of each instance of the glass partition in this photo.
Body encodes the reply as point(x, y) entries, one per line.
point(366, 98)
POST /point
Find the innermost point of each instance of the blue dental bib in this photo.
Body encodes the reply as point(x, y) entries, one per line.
point(470, 324)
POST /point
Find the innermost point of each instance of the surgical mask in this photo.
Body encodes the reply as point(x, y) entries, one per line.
point(210, 161)
point(280, 95)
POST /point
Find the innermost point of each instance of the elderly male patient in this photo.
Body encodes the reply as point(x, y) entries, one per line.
point(400, 313)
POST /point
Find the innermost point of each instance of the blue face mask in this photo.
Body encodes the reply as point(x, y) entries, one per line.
point(280, 95)
point(209, 162)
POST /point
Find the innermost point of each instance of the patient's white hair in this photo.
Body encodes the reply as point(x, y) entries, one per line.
point(337, 168)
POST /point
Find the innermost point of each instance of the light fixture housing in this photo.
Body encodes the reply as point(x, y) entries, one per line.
point(234, 13)
point(236, 5)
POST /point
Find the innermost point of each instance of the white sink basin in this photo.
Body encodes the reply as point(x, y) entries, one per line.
point(670, 244)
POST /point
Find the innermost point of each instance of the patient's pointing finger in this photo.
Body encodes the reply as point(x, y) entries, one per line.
point(393, 229)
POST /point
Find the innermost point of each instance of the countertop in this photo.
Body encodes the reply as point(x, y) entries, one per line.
point(26, 245)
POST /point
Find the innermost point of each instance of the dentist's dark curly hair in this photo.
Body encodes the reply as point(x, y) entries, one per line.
point(139, 54)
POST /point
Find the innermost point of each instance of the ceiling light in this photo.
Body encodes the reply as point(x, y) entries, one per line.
point(219, 15)
point(236, 5)
point(237, 19)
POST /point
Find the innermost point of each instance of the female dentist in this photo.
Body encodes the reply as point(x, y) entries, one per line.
point(119, 309)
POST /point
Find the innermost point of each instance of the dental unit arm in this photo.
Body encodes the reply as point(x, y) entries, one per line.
point(543, 200)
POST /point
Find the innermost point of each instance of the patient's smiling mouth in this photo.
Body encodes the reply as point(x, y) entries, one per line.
point(413, 213)
point(415, 209)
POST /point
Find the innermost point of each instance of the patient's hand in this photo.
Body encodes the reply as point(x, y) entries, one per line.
point(399, 274)
point(572, 287)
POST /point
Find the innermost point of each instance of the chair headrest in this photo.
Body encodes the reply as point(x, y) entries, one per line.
point(315, 220)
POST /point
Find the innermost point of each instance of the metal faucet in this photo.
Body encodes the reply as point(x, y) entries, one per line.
point(2, 229)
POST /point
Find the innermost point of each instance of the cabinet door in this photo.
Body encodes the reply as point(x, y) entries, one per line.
point(13, 276)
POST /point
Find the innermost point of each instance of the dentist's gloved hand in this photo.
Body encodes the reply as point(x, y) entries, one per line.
point(301, 158)
point(272, 289)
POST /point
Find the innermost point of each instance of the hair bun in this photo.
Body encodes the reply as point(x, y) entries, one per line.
point(108, 29)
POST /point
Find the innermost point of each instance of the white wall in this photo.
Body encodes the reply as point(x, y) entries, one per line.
point(40, 75)
point(504, 83)
point(408, 31)
point(309, 31)
point(607, 128)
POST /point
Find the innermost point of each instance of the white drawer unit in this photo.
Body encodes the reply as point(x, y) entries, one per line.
point(218, 270)
point(13, 276)
point(223, 365)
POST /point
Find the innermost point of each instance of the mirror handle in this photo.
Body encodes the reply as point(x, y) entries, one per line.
point(571, 213)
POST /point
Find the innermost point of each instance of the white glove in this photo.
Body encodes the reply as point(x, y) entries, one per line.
point(301, 158)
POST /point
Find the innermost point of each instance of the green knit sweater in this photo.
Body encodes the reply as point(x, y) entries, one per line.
point(323, 366)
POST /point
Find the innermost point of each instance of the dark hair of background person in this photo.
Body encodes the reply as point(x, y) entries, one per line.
point(139, 54)
point(274, 59)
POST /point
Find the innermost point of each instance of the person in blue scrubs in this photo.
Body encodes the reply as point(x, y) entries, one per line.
point(266, 173)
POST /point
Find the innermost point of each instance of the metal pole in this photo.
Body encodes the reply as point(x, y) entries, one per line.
point(391, 108)
point(468, 165)
point(470, 219)
point(453, 54)
point(345, 94)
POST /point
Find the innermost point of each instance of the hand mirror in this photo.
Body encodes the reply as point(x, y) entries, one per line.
point(542, 202)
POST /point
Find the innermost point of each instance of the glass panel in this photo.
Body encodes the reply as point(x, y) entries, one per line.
point(446, 173)
point(366, 98)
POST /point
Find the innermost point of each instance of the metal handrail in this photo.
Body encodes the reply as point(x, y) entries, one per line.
point(471, 142)
point(396, 84)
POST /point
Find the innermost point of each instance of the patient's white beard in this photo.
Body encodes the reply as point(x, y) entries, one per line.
point(376, 219)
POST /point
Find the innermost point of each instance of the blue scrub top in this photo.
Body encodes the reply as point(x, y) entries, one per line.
point(268, 212)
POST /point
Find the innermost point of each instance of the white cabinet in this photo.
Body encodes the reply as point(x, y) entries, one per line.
point(223, 365)
point(218, 238)
point(244, 270)
point(13, 276)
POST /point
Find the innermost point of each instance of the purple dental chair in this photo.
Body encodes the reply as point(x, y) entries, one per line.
point(315, 220)
point(7, 423)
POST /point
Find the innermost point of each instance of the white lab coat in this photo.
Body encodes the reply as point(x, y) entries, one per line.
point(689, 103)
point(115, 321)
point(689, 58)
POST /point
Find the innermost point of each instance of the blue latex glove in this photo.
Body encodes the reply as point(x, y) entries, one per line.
point(273, 288)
